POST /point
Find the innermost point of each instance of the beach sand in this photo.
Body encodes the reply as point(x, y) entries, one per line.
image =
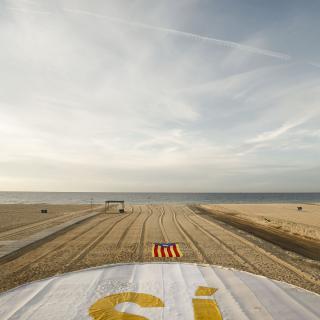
point(284, 216)
point(120, 238)
point(16, 216)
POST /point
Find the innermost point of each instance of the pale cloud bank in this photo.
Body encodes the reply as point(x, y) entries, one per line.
point(90, 102)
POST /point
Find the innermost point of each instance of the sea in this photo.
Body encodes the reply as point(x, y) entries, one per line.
point(155, 197)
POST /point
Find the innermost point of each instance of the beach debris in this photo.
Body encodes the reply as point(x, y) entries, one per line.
point(166, 250)
point(44, 210)
point(299, 208)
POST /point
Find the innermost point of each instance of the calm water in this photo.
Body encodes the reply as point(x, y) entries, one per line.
point(132, 197)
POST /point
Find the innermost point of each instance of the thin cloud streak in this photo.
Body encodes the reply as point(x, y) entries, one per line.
point(271, 135)
point(219, 42)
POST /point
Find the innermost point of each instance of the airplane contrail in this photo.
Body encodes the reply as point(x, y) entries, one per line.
point(219, 42)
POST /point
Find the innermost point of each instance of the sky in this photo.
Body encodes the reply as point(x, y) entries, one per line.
point(160, 96)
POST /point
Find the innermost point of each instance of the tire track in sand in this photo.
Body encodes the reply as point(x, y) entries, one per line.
point(129, 249)
point(269, 263)
point(19, 232)
point(92, 244)
point(115, 248)
point(143, 235)
point(208, 251)
point(126, 230)
point(153, 233)
point(175, 235)
point(250, 267)
point(201, 255)
point(165, 235)
point(49, 265)
point(66, 238)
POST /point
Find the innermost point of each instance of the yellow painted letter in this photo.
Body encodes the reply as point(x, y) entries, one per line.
point(205, 309)
point(104, 309)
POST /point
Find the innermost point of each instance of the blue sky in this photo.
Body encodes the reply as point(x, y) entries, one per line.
point(160, 95)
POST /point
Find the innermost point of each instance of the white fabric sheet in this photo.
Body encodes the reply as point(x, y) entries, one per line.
point(239, 296)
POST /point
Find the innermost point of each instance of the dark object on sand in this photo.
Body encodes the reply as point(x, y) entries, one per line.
point(299, 208)
point(44, 211)
point(267, 220)
point(113, 201)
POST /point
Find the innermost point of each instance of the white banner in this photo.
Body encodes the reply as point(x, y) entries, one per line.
point(159, 291)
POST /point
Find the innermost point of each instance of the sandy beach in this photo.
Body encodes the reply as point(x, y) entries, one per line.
point(15, 217)
point(114, 238)
point(284, 216)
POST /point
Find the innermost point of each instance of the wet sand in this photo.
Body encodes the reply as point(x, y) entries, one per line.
point(119, 238)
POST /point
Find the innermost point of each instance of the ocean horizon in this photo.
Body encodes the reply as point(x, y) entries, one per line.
point(15, 197)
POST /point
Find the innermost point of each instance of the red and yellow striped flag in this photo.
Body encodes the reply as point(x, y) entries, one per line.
point(166, 250)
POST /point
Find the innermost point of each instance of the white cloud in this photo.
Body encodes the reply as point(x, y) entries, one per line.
point(274, 134)
point(86, 102)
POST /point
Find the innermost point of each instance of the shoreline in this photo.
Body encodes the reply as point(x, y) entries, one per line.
point(141, 198)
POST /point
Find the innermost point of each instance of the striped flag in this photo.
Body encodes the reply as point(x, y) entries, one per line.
point(166, 250)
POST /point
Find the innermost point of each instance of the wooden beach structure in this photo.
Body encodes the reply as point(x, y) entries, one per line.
point(107, 205)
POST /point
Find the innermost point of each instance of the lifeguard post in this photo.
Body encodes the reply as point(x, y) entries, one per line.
point(107, 205)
